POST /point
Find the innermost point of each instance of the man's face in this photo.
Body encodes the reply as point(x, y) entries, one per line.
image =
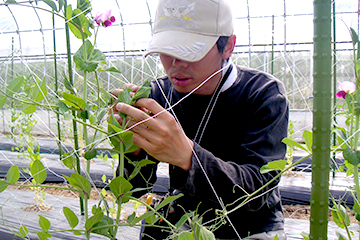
point(185, 76)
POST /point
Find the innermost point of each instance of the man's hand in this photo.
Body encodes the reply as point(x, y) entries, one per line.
point(158, 133)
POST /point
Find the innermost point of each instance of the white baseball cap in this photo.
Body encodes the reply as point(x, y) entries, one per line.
point(188, 29)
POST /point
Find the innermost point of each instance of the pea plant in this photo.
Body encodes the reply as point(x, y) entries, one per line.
point(348, 139)
point(89, 110)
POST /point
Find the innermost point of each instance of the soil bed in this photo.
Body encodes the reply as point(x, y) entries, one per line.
point(290, 211)
point(303, 212)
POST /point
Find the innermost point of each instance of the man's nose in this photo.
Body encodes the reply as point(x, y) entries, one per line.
point(179, 63)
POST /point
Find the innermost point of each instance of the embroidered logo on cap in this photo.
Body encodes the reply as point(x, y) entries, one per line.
point(178, 13)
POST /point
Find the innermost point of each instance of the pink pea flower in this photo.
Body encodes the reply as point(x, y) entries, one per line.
point(105, 19)
point(345, 87)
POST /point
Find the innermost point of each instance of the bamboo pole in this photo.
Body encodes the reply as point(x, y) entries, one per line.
point(321, 120)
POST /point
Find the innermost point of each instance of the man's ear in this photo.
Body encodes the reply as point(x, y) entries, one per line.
point(229, 48)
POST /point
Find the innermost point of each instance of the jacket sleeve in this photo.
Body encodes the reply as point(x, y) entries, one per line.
point(257, 142)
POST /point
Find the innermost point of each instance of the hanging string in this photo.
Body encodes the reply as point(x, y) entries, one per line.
point(170, 108)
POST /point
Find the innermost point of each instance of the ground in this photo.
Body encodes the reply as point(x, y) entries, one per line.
point(303, 212)
point(290, 211)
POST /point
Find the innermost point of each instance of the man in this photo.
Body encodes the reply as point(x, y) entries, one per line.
point(224, 122)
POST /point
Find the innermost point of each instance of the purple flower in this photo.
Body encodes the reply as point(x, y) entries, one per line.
point(105, 19)
point(345, 88)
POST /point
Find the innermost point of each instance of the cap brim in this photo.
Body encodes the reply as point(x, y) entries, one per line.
point(190, 47)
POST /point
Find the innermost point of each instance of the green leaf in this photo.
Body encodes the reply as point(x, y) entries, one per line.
point(131, 217)
point(120, 187)
point(77, 232)
point(23, 231)
point(38, 171)
point(205, 234)
point(10, 1)
point(127, 139)
point(93, 220)
point(13, 174)
point(145, 162)
point(308, 138)
point(68, 85)
point(277, 165)
point(71, 217)
point(103, 227)
point(84, 5)
point(356, 209)
point(146, 215)
point(305, 235)
point(73, 101)
point(124, 96)
point(100, 115)
point(87, 58)
point(121, 136)
point(83, 114)
point(69, 160)
point(186, 236)
point(80, 183)
point(2, 100)
point(44, 223)
point(168, 200)
point(351, 156)
point(354, 36)
point(39, 92)
point(113, 126)
point(28, 108)
point(3, 185)
point(341, 137)
point(292, 143)
point(51, 4)
point(62, 106)
point(143, 92)
point(61, 4)
point(79, 25)
point(43, 236)
point(111, 69)
point(14, 85)
point(90, 154)
point(340, 216)
point(340, 236)
point(357, 67)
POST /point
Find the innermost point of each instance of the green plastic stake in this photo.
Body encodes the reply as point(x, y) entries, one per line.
point(321, 120)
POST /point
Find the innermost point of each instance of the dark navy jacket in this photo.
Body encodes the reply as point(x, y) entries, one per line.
point(244, 132)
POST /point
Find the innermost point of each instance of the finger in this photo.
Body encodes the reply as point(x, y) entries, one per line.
point(115, 93)
point(136, 114)
point(131, 86)
point(150, 105)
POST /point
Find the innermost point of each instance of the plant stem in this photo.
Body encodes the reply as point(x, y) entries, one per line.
point(58, 141)
point(75, 133)
point(44, 186)
point(85, 135)
point(86, 217)
point(118, 215)
point(249, 196)
point(121, 174)
point(121, 160)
